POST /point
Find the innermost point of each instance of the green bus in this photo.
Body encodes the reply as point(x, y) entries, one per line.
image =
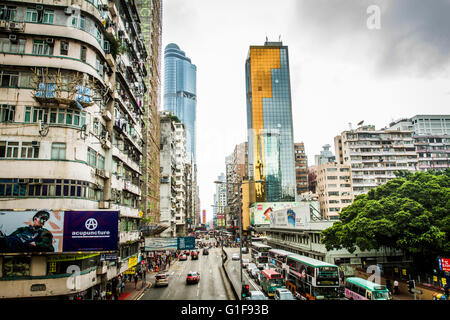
point(311, 279)
point(270, 281)
point(361, 289)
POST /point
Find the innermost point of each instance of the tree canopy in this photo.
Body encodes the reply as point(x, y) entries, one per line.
point(410, 213)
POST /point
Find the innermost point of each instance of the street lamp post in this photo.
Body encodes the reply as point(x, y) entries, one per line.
point(240, 218)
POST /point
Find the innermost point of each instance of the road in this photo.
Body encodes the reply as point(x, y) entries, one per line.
point(210, 286)
point(233, 269)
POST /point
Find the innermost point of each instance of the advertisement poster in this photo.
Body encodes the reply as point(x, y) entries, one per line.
point(91, 231)
point(157, 244)
point(260, 212)
point(31, 231)
point(292, 218)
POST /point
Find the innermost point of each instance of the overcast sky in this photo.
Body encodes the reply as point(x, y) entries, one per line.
point(341, 70)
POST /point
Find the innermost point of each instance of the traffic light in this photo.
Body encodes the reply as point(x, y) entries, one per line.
point(411, 285)
point(245, 291)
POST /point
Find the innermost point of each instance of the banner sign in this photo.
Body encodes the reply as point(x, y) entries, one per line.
point(444, 264)
point(157, 244)
point(58, 231)
point(186, 243)
point(91, 231)
point(31, 231)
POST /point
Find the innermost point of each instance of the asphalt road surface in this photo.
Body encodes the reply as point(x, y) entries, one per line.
point(210, 286)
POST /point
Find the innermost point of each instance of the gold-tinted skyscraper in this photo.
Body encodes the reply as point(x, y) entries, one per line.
point(269, 121)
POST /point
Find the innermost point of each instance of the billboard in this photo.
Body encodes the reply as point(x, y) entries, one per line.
point(58, 231)
point(292, 218)
point(260, 212)
point(156, 244)
point(91, 231)
point(444, 264)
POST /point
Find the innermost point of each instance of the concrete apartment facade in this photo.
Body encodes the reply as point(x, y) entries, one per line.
point(374, 155)
point(71, 130)
point(334, 189)
point(431, 138)
point(301, 168)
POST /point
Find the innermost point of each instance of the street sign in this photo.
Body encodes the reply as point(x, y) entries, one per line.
point(185, 243)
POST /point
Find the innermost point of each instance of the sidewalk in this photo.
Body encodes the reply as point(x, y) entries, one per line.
point(132, 292)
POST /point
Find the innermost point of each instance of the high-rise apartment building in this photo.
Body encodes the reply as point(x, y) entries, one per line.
point(72, 118)
point(301, 168)
point(150, 13)
point(374, 155)
point(431, 138)
point(334, 189)
point(220, 202)
point(180, 92)
point(269, 122)
point(325, 155)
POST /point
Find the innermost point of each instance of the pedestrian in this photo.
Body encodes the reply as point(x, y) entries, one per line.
point(144, 273)
point(122, 286)
point(446, 291)
point(395, 287)
point(389, 285)
point(135, 280)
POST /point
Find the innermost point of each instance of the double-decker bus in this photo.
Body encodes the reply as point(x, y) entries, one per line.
point(270, 281)
point(311, 279)
point(260, 253)
point(362, 289)
point(277, 260)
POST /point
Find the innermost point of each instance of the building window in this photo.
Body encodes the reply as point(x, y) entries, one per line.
point(83, 53)
point(82, 22)
point(16, 266)
point(41, 47)
point(58, 151)
point(101, 162)
point(92, 157)
point(32, 15)
point(48, 16)
point(7, 113)
point(9, 149)
point(64, 48)
point(9, 79)
point(29, 151)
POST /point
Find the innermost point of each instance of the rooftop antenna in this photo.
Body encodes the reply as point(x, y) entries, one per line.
point(350, 126)
point(279, 38)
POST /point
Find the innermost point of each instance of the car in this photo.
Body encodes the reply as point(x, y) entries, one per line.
point(183, 257)
point(251, 265)
point(235, 256)
point(256, 295)
point(244, 250)
point(283, 294)
point(255, 273)
point(258, 277)
point(245, 262)
point(161, 279)
point(192, 277)
point(205, 251)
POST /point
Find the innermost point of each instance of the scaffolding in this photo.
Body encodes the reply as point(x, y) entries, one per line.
point(54, 88)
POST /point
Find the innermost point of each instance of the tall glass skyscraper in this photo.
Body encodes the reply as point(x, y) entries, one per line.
point(180, 92)
point(269, 122)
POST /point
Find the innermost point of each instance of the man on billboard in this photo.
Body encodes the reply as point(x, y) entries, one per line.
point(32, 238)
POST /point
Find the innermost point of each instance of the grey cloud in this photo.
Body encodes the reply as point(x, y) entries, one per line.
point(414, 35)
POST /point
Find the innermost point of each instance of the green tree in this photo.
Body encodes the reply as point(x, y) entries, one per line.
point(410, 213)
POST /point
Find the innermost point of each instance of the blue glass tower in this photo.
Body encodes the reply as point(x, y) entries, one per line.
point(180, 92)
